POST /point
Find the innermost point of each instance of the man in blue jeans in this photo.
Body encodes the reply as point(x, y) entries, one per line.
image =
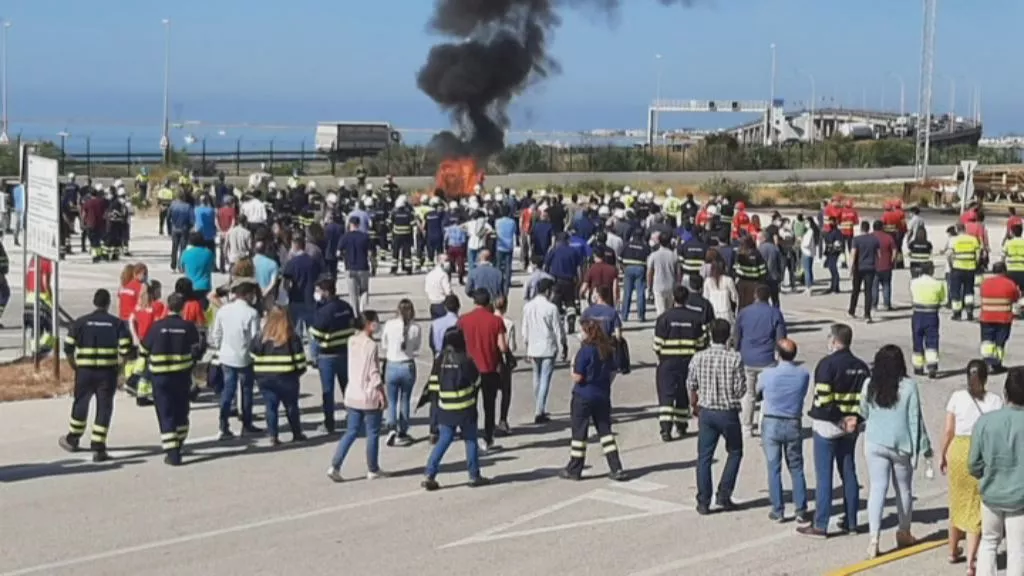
point(505, 243)
point(180, 219)
point(301, 274)
point(330, 330)
point(634, 273)
point(717, 385)
point(784, 388)
point(835, 419)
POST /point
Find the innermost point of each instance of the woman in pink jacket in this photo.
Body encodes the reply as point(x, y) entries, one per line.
point(365, 398)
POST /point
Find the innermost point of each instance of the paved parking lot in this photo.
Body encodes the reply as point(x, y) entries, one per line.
point(246, 508)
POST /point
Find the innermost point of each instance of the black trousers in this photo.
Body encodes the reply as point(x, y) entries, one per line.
point(773, 291)
point(583, 412)
point(171, 399)
point(862, 280)
point(505, 387)
point(89, 382)
point(490, 383)
point(673, 400)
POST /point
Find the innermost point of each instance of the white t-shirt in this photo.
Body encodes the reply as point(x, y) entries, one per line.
point(391, 341)
point(967, 410)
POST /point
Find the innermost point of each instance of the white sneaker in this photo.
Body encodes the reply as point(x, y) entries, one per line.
point(392, 436)
point(334, 474)
point(873, 548)
point(375, 475)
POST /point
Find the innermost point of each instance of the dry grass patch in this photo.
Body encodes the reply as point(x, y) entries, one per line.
point(20, 381)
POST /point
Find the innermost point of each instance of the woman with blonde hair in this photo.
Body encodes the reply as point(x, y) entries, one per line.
point(278, 362)
point(963, 410)
point(365, 399)
point(132, 285)
point(400, 340)
point(720, 291)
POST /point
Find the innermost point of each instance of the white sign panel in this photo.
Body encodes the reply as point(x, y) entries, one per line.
point(966, 191)
point(42, 219)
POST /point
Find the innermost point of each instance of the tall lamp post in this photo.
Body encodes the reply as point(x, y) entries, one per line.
point(657, 96)
point(812, 131)
point(903, 91)
point(165, 140)
point(4, 138)
point(769, 133)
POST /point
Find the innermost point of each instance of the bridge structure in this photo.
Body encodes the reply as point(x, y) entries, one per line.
point(780, 126)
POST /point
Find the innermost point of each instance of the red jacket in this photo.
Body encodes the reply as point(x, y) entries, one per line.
point(998, 293)
point(1014, 221)
point(741, 221)
point(45, 274)
point(703, 217)
point(93, 213)
point(848, 221)
point(891, 221)
point(831, 212)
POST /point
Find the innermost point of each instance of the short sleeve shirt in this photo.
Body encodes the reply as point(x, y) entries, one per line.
point(597, 373)
point(601, 274)
point(604, 315)
point(887, 248)
point(482, 328)
point(302, 271)
point(356, 248)
point(967, 410)
point(867, 247)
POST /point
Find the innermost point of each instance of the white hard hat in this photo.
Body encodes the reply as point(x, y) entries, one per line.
point(477, 188)
point(473, 202)
point(512, 192)
point(499, 197)
point(626, 189)
point(668, 192)
point(368, 202)
point(400, 201)
point(488, 198)
point(98, 187)
point(424, 198)
point(121, 192)
point(617, 194)
point(369, 186)
point(453, 205)
point(497, 189)
point(603, 211)
point(311, 185)
point(341, 182)
point(713, 210)
point(620, 213)
point(272, 185)
point(332, 198)
point(634, 193)
point(71, 175)
point(118, 183)
point(434, 200)
point(542, 192)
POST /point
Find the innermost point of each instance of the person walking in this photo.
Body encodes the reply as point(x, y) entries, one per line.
point(197, 263)
point(662, 274)
point(236, 329)
point(484, 275)
point(835, 419)
point(355, 249)
point(486, 343)
point(894, 441)
point(784, 388)
point(506, 234)
point(365, 398)
point(863, 260)
point(506, 366)
point(278, 362)
point(180, 220)
point(717, 385)
point(455, 380)
point(720, 291)
point(541, 333)
point(996, 460)
point(963, 410)
point(634, 262)
point(591, 401)
point(881, 290)
point(758, 327)
point(679, 333)
point(400, 340)
point(999, 293)
point(774, 265)
point(331, 329)
point(236, 244)
point(437, 286)
point(300, 275)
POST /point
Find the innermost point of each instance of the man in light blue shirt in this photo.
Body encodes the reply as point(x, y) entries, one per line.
point(784, 388)
point(505, 230)
point(362, 216)
point(758, 327)
point(18, 195)
point(439, 325)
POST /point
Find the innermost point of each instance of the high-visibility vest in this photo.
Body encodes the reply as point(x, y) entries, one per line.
point(927, 294)
point(1014, 254)
point(965, 252)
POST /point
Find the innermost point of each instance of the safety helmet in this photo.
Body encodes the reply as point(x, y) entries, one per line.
point(368, 202)
point(311, 185)
point(668, 192)
point(626, 189)
point(400, 201)
point(118, 183)
point(499, 197)
point(453, 205)
point(634, 193)
point(341, 182)
point(98, 187)
point(488, 198)
point(121, 192)
point(542, 192)
point(497, 189)
point(369, 186)
point(616, 194)
point(619, 213)
point(712, 210)
point(741, 205)
point(332, 198)
point(512, 192)
point(434, 201)
point(602, 211)
point(71, 176)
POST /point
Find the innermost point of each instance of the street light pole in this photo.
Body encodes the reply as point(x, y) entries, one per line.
point(903, 92)
point(769, 134)
point(165, 140)
point(657, 95)
point(812, 131)
point(4, 138)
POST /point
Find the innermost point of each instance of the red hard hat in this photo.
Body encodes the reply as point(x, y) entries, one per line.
point(898, 203)
point(849, 203)
point(741, 205)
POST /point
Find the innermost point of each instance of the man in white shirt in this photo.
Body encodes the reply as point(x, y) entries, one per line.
point(238, 242)
point(253, 210)
point(235, 327)
point(541, 334)
point(477, 230)
point(437, 286)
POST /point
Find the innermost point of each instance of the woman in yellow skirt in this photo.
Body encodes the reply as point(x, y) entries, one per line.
point(962, 411)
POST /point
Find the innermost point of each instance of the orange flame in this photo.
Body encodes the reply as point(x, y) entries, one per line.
point(458, 176)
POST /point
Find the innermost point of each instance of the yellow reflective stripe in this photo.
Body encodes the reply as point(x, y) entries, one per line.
point(124, 342)
point(69, 340)
point(170, 357)
point(457, 405)
point(167, 368)
point(456, 394)
point(99, 362)
point(678, 352)
point(97, 351)
point(276, 368)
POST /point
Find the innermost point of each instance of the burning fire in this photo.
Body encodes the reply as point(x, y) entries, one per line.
point(458, 176)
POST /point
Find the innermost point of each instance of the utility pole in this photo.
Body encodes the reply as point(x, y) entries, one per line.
point(924, 107)
point(903, 92)
point(165, 140)
point(812, 130)
point(769, 133)
point(4, 126)
point(657, 99)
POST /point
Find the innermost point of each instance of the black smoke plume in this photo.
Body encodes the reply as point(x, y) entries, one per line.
point(501, 52)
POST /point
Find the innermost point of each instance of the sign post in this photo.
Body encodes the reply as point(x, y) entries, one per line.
point(42, 238)
point(967, 187)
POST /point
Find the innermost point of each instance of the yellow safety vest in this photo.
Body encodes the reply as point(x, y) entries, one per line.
point(927, 294)
point(965, 252)
point(1014, 253)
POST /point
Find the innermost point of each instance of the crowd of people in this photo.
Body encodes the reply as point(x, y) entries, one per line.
point(712, 271)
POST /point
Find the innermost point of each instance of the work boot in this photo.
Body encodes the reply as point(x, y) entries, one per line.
point(933, 373)
point(566, 474)
point(429, 484)
point(682, 428)
point(918, 371)
point(479, 481)
point(618, 475)
point(68, 444)
point(100, 456)
point(172, 458)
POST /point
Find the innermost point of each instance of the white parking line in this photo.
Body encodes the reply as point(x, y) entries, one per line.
point(204, 535)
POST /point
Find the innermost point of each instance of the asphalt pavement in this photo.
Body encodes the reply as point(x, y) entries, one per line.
point(243, 507)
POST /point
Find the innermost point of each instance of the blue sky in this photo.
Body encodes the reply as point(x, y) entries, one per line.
point(300, 61)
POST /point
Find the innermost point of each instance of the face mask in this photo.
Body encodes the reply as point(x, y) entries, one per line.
point(318, 296)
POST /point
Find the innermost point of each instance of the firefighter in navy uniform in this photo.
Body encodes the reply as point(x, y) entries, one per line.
point(696, 302)
point(433, 230)
point(172, 348)
point(93, 345)
point(117, 227)
point(927, 295)
point(679, 333)
point(919, 252)
point(691, 258)
point(379, 227)
point(455, 383)
point(389, 189)
point(634, 271)
point(332, 326)
point(402, 221)
point(68, 214)
point(5, 287)
point(593, 370)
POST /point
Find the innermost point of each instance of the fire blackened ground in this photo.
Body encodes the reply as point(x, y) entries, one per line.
point(242, 507)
